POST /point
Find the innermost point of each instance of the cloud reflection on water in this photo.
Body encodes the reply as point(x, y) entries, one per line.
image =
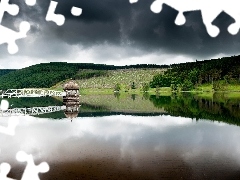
point(124, 137)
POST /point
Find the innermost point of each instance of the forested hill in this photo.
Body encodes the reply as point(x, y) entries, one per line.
point(45, 75)
point(187, 76)
point(6, 71)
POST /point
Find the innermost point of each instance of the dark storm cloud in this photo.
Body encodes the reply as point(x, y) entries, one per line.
point(120, 23)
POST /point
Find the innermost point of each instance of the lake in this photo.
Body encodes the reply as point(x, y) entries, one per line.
point(128, 137)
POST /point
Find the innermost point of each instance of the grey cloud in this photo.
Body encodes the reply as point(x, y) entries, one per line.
point(120, 23)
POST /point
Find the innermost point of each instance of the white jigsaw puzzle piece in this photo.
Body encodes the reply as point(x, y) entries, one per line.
point(31, 171)
point(4, 105)
point(209, 10)
point(76, 11)
point(9, 36)
point(30, 2)
point(12, 9)
point(133, 1)
point(4, 170)
point(59, 19)
point(12, 122)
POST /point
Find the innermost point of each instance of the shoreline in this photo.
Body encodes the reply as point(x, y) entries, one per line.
point(96, 91)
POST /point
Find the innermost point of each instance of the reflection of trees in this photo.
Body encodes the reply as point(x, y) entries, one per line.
point(117, 95)
point(34, 102)
point(186, 105)
point(146, 95)
point(133, 96)
point(160, 101)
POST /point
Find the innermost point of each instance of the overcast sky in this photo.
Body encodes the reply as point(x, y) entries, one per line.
point(115, 32)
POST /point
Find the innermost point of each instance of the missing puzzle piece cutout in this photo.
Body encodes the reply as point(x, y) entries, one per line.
point(209, 10)
point(12, 122)
point(31, 171)
point(59, 19)
point(9, 36)
point(30, 2)
point(133, 1)
point(4, 170)
point(12, 9)
point(4, 105)
point(76, 11)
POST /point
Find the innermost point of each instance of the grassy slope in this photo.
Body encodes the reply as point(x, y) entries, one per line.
point(46, 75)
point(124, 76)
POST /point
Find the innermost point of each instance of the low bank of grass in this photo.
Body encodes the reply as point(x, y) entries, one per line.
point(234, 87)
point(204, 88)
point(102, 91)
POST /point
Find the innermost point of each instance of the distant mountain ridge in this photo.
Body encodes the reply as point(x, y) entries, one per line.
point(46, 75)
point(183, 75)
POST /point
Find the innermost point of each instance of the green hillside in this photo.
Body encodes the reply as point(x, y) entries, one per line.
point(125, 77)
point(46, 75)
point(6, 71)
point(219, 74)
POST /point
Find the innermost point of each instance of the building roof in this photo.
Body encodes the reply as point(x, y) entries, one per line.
point(71, 85)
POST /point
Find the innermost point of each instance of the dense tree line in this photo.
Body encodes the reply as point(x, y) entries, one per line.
point(42, 75)
point(186, 76)
point(6, 71)
point(45, 75)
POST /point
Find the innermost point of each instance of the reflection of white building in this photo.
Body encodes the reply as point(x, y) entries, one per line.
point(71, 111)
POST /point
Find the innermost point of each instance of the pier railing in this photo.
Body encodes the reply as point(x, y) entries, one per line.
point(31, 111)
point(30, 93)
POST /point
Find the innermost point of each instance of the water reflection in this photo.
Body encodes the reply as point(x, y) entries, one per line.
point(145, 144)
point(126, 147)
point(216, 107)
point(71, 111)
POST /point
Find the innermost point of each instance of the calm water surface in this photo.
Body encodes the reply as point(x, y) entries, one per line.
point(158, 146)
